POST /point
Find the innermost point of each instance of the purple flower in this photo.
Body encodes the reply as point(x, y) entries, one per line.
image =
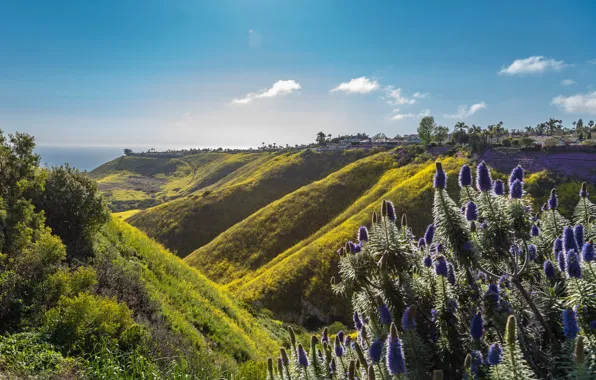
point(421, 243)
point(357, 321)
point(408, 320)
point(574, 270)
point(439, 248)
point(558, 245)
point(440, 177)
point(376, 350)
point(351, 247)
point(395, 356)
point(477, 326)
point(569, 239)
point(516, 173)
point(481, 276)
point(588, 251)
point(428, 261)
point(340, 335)
point(583, 192)
point(484, 225)
point(302, 358)
point(570, 327)
point(384, 314)
point(515, 250)
point(471, 211)
point(476, 361)
point(553, 201)
point(516, 190)
point(495, 353)
point(499, 187)
point(549, 269)
point(483, 179)
point(451, 274)
point(339, 349)
point(465, 176)
point(535, 231)
point(532, 252)
point(492, 294)
point(363, 234)
point(504, 282)
point(325, 336)
point(441, 266)
point(429, 234)
point(560, 256)
point(578, 231)
point(357, 248)
point(390, 210)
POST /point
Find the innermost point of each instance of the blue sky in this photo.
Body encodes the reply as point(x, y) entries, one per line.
point(236, 73)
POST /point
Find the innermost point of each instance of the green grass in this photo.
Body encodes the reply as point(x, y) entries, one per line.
point(125, 214)
point(198, 311)
point(256, 240)
point(188, 223)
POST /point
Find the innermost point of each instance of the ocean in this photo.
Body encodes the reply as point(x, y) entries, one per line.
point(83, 158)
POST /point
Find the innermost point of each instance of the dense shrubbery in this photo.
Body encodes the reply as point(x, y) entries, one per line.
point(492, 290)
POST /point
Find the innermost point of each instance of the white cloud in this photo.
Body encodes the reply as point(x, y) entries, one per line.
point(592, 61)
point(396, 97)
point(421, 95)
point(361, 85)
point(402, 116)
point(532, 65)
point(281, 87)
point(577, 103)
point(463, 111)
point(568, 82)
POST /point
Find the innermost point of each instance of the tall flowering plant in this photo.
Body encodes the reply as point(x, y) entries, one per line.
point(492, 290)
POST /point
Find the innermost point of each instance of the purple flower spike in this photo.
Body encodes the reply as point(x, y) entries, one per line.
point(578, 232)
point(483, 179)
point(477, 327)
point(549, 269)
point(429, 234)
point(569, 239)
point(517, 173)
point(583, 192)
point(553, 201)
point(451, 274)
point(588, 251)
point(363, 234)
point(574, 270)
point(384, 314)
point(560, 256)
point(428, 261)
point(471, 212)
point(558, 245)
point(441, 266)
point(357, 321)
point(570, 327)
point(408, 320)
point(302, 358)
point(390, 211)
point(517, 189)
point(495, 353)
point(440, 181)
point(465, 176)
point(532, 252)
point(376, 350)
point(535, 231)
point(499, 187)
point(395, 356)
point(421, 243)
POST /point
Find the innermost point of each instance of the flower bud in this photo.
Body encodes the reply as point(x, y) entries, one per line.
point(579, 354)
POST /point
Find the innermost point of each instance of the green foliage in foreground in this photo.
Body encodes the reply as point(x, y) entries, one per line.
point(488, 292)
point(95, 298)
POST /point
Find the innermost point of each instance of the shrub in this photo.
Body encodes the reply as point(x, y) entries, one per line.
point(78, 323)
point(476, 297)
point(26, 354)
point(74, 208)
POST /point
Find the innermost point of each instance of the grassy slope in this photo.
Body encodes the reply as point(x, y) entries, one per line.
point(141, 182)
point(198, 310)
point(303, 272)
point(186, 224)
point(257, 239)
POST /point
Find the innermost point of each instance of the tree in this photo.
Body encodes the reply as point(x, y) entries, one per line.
point(426, 129)
point(74, 208)
point(441, 133)
point(321, 138)
point(553, 125)
point(127, 152)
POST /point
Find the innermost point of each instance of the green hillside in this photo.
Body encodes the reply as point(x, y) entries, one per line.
point(188, 223)
point(131, 182)
point(256, 240)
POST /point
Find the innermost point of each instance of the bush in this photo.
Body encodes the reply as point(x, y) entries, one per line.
point(26, 354)
point(483, 294)
point(506, 142)
point(79, 323)
point(74, 209)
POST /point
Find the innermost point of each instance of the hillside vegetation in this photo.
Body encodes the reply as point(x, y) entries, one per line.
point(188, 223)
point(85, 295)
